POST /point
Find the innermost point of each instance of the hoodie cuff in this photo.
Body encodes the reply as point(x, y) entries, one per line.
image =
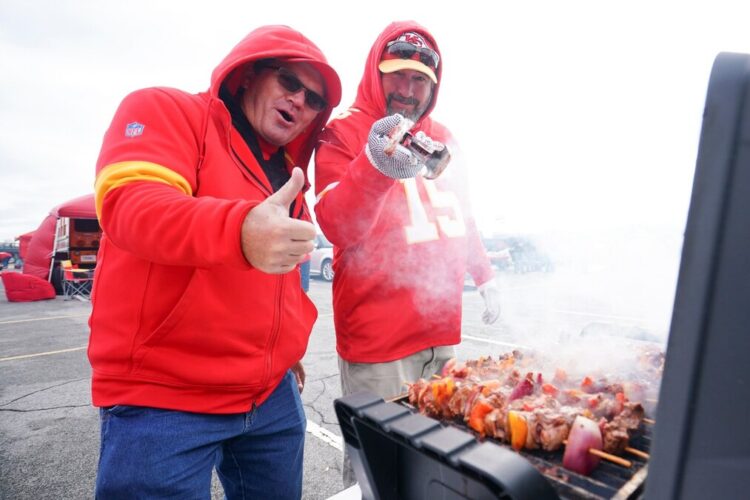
point(487, 285)
point(368, 177)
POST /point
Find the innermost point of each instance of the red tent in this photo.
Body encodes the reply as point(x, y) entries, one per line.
point(39, 251)
point(36, 249)
point(80, 208)
point(24, 288)
point(23, 243)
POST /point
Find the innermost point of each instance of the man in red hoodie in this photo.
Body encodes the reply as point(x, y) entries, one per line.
point(199, 322)
point(402, 242)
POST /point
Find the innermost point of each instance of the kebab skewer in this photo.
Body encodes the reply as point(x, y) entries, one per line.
point(527, 412)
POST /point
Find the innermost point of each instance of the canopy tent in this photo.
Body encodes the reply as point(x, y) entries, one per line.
point(79, 208)
point(38, 259)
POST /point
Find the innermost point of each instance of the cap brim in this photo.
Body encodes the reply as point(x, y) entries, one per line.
point(391, 65)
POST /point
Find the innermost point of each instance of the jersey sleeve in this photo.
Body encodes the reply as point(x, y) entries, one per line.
point(350, 191)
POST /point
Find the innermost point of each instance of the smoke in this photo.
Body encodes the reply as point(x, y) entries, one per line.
point(423, 248)
point(606, 301)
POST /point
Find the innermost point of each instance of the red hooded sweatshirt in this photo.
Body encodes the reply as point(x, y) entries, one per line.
point(401, 248)
point(180, 319)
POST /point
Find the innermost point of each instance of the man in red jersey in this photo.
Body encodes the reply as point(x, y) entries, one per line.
point(402, 243)
point(199, 322)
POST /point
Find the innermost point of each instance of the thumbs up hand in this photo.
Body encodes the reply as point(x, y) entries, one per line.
point(272, 241)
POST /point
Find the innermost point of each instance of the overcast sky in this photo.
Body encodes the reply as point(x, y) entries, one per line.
point(572, 114)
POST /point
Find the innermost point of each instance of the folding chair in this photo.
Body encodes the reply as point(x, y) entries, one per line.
point(76, 283)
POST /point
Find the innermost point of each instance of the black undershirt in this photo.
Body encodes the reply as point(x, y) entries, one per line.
point(275, 166)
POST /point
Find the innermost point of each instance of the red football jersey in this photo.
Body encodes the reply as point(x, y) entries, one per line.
point(402, 248)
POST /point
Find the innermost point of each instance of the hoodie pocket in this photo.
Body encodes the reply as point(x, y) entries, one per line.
point(214, 336)
point(166, 326)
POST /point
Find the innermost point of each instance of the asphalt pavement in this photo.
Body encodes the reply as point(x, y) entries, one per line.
point(49, 432)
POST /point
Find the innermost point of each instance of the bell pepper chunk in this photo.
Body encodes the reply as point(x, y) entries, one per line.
point(476, 418)
point(518, 429)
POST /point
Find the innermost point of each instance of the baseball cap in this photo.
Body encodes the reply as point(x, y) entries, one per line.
point(410, 50)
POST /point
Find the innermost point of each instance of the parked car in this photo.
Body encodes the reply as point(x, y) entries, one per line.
point(527, 258)
point(517, 255)
point(498, 251)
point(321, 260)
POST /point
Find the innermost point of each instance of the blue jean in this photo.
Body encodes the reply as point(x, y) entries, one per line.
point(153, 453)
point(304, 273)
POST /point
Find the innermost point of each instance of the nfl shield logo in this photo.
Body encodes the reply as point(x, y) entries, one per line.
point(134, 129)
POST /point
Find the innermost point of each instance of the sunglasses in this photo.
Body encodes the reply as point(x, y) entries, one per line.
point(405, 50)
point(291, 83)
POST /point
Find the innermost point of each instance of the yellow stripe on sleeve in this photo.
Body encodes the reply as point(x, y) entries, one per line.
point(118, 174)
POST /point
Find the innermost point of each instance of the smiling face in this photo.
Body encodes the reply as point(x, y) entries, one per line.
point(407, 92)
point(275, 113)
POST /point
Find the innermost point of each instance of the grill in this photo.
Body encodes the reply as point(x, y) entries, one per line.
point(700, 447)
point(391, 445)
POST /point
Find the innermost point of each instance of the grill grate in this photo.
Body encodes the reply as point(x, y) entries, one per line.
point(607, 481)
point(403, 454)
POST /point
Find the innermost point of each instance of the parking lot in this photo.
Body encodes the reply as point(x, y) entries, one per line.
point(49, 430)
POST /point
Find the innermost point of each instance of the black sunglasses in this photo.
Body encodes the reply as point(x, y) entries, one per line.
point(291, 83)
point(406, 50)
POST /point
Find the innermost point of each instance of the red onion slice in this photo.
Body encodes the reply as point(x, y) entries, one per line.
point(584, 435)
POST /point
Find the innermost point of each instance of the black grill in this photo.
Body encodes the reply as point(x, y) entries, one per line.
point(398, 453)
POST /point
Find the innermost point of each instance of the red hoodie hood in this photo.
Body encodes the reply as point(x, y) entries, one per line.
point(281, 42)
point(370, 98)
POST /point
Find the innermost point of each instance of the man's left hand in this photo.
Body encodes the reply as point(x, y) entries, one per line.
point(491, 296)
point(272, 241)
point(299, 374)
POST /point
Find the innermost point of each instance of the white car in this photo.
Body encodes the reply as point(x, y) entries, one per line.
point(321, 259)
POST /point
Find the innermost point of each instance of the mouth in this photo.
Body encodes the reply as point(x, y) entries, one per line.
point(286, 116)
point(405, 102)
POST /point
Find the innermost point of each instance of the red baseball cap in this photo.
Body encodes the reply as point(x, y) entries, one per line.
point(410, 50)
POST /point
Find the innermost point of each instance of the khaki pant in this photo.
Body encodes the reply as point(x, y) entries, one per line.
point(389, 380)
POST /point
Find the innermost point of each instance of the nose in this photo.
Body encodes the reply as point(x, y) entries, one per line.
point(405, 87)
point(298, 97)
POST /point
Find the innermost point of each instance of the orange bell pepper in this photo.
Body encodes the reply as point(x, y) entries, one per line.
point(443, 389)
point(476, 418)
point(435, 386)
point(450, 386)
point(518, 430)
